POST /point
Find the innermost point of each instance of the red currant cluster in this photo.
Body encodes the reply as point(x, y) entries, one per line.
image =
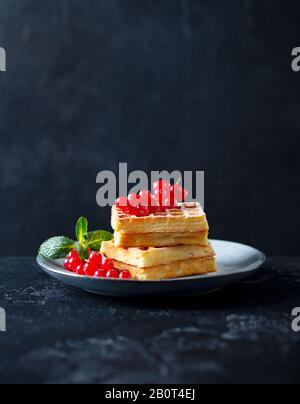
point(164, 196)
point(96, 265)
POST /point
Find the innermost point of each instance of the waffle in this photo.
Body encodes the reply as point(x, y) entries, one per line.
point(150, 257)
point(127, 240)
point(175, 270)
point(187, 217)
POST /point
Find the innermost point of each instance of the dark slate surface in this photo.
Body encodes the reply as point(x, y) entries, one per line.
point(60, 334)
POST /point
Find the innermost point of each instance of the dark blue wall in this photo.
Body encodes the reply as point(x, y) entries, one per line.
point(172, 84)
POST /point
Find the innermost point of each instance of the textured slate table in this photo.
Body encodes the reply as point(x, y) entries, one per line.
point(60, 334)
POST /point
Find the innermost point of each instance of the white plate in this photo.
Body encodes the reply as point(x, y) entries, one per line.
point(235, 262)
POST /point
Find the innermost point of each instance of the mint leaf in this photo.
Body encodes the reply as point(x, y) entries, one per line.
point(94, 239)
point(81, 229)
point(83, 251)
point(57, 247)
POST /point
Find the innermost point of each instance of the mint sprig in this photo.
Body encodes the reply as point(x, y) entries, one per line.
point(57, 247)
point(81, 229)
point(60, 247)
point(94, 239)
point(83, 251)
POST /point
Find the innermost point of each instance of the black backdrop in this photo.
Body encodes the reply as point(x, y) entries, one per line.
point(172, 84)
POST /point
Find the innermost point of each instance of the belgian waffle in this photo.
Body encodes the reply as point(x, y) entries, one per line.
point(175, 270)
point(141, 240)
point(187, 217)
point(150, 257)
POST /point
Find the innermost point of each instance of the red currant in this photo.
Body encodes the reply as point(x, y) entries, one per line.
point(158, 196)
point(107, 264)
point(112, 273)
point(122, 202)
point(95, 258)
point(127, 210)
point(93, 254)
point(73, 254)
point(101, 273)
point(145, 198)
point(125, 275)
point(161, 194)
point(147, 211)
point(90, 268)
point(80, 269)
point(67, 264)
point(153, 205)
point(73, 263)
point(163, 185)
point(134, 200)
point(142, 211)
point(180, 193)
point(154, 201)
point(134, 211)
point(162, 190)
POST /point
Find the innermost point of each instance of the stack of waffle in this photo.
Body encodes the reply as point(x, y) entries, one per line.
point(164, 245)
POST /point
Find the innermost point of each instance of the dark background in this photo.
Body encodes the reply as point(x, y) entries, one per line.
point(172, 84)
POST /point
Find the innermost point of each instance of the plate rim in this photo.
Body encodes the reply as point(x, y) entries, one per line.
point(42, 263)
